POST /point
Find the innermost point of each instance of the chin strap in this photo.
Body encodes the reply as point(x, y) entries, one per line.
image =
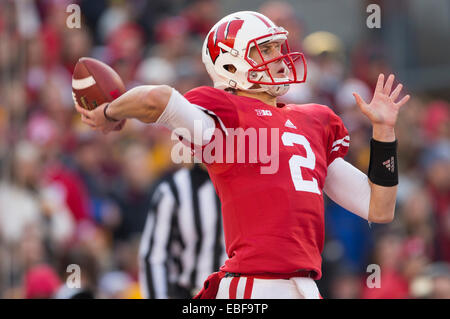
point(277, 90)
point(274, 90)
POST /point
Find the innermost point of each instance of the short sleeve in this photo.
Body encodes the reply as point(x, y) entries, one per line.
point(338, 138)
point(215, 102)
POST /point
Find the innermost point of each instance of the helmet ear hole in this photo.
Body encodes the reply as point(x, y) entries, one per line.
point(230, 68)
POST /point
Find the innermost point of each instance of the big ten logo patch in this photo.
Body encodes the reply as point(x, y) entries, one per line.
point(260, 112)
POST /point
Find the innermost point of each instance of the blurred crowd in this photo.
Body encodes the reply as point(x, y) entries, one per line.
point(70, 195)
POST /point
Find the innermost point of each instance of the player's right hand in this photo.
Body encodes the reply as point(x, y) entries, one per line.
point(96, 119)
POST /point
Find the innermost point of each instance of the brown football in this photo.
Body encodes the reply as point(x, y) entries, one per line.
point(95, 83)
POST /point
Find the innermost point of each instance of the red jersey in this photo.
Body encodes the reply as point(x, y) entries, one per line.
point(273, 222)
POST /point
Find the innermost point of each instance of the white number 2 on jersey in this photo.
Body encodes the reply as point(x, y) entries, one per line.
point(296, 162)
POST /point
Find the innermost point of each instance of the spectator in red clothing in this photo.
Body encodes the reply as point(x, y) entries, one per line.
point(72, 187)
point(388, 256)
point(414, 259)
point(436, 121)
point(436, 163)
point(125, 47)
point(202, 15)
point(41, 282)
point(172, 35)
point(52, 30)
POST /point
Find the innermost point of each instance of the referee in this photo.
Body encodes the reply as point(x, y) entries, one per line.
point(182, 242)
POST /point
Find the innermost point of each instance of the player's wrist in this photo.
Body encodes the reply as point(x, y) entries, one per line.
point(105, 113)
point(383, 133)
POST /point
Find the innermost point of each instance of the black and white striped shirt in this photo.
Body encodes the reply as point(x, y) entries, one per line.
point(182, 242)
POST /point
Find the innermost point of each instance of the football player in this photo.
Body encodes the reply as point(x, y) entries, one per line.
point(273, 222)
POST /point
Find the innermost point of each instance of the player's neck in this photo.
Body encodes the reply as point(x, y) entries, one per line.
point(262, 96)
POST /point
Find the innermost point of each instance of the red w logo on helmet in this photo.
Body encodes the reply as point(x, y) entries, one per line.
point(225, 33)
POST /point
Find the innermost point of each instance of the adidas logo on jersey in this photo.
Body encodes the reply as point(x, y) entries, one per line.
point(389, 164)
point(289, 124)
point(260, 112)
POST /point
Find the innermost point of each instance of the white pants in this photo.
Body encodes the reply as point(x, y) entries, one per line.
point(255, 288)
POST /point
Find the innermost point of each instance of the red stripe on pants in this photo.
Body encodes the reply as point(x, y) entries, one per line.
point(233, 287)
point(248, 288)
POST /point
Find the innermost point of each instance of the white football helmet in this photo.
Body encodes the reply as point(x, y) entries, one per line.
point(229, 43)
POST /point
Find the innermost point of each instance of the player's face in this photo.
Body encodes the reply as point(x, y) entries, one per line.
point(269, 51)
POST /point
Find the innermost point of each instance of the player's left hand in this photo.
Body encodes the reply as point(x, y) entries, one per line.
point(383, 110)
